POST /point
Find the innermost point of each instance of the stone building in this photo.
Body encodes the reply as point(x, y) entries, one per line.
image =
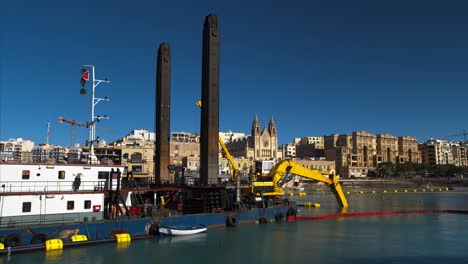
point(357, 154)
point(321, 165)
point(185, 137)
point(408, 150)
point(192, 164)
point(310, 147)
point(387, 148)
point(179, 150)
point(137, 152)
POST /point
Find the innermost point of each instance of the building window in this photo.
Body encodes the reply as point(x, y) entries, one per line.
point(137, 168)
point(26, 207)
point(61, 175)
point(136, 157)
point(70, 205)
point(103, 175)
point(87, 204)
point(25, 175)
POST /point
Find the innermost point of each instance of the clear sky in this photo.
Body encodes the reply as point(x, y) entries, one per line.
point(317, 67)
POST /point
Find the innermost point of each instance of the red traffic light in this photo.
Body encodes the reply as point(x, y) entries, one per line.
point(84, 74)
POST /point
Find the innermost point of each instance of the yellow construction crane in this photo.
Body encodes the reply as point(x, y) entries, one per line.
point(235, 169)
point(73, 123)
point(462, 134)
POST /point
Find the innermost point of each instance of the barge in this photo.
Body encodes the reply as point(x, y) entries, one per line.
point(43, 204)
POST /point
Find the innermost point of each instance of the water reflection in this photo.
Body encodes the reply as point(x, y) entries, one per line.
point(414, 238)
point(197, 238)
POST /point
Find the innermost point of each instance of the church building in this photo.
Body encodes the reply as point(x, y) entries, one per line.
point(259, 145)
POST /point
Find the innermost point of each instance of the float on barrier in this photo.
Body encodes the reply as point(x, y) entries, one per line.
point(79, 238)
point(123, 238)
point(53, 244)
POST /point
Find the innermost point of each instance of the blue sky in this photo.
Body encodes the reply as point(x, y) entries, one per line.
point(317, 67)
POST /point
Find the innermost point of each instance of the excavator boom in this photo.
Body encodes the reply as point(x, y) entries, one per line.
point(287, 167)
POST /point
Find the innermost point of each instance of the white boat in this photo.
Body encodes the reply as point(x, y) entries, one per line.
point(182, 230)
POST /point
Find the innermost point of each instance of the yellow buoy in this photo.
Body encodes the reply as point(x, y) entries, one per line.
point(406, 190)
point(79, 238)
point(291, 194)
point(373, 191)
point(123, 238)
point(415, 190)
point(385, 191)
point(2, 246)
point(348, 193)
point(446, 188)
point(361, 192)
point(396, 191)
point(53, 244)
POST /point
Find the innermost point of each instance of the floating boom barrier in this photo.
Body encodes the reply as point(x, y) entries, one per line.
point(80, 240)
point(361, 214)
point(389, 191)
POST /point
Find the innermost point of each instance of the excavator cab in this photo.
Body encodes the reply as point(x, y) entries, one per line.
point(262, 170)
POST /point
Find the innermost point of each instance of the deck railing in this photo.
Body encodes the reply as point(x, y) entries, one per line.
point(50, 186)
point(19, 221)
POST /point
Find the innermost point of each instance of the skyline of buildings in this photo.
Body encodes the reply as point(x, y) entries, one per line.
point(354, 154)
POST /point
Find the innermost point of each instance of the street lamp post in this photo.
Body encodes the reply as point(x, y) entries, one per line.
point(94, 101)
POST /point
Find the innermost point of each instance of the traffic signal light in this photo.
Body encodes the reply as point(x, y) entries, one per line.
point(84, 78)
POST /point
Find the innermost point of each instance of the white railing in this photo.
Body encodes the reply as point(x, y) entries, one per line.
point(50, 186)
point(16, 221)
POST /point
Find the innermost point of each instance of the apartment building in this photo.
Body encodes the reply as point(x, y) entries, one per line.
point(438, 151)
point(359, 153)
point(17, 149)
point(310, 148)
point(288, 150)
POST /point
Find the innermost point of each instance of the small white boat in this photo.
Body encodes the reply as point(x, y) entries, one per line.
point(182, 230)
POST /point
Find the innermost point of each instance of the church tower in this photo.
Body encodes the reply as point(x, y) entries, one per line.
point(273, 138)
point(256, 136)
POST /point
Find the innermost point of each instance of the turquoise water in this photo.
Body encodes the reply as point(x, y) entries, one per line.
point(429, 238)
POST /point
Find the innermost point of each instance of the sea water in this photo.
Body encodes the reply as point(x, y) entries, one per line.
point(405, 238)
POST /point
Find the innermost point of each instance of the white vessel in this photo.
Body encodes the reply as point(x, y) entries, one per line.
point(50, 193)
point(182, 230)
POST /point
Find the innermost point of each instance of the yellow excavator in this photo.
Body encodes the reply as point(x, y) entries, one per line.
point(234, 170)
point(267, 182)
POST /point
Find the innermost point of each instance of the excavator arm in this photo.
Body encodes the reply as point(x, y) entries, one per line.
point(235, 169)
point(287, 167)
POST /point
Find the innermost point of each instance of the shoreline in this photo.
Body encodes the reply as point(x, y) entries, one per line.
point(402, 183)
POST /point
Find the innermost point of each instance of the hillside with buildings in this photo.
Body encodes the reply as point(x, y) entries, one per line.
point(355, 155)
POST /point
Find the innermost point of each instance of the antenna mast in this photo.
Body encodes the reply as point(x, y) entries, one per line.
point(94, 102)
point(48, 133)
